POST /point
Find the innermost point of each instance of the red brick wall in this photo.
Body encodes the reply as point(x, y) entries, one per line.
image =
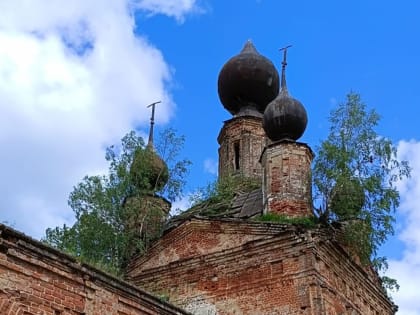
point(286, 270)
point(247, 131)
point(195, 238)
point(346, 286)
point(287, 179)
point(35, 279)
point(259, 277)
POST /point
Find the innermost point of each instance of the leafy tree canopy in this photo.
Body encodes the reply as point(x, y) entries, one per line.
point(101, 234)
point(355, 174)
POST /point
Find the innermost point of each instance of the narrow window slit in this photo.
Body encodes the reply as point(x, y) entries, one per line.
point(236, 149)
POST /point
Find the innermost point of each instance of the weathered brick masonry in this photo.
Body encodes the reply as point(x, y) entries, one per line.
point(36, 279)
point(241, 141)
point(287, 184)
point(215, 260)
point(232, 267)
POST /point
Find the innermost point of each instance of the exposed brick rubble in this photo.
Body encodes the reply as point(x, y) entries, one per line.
point(36, 279)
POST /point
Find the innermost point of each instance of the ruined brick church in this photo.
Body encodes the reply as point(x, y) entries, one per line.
point(217, 262)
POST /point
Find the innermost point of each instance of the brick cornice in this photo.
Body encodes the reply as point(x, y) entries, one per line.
point(23, 250)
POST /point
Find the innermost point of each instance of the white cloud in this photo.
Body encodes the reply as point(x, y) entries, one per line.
point(181, 205)
point(210, 166)
point(177, 9)
point(407, 270)
point(73, 79)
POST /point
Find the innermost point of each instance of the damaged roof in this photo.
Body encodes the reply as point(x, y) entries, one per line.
point(243, 206)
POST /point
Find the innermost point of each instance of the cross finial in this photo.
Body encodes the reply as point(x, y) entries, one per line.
point(283, 86)
point(152, 122)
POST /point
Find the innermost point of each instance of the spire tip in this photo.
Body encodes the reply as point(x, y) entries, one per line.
point(152, 122)
point(283, 86)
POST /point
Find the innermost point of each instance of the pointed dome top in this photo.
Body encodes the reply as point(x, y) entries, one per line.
point(248, 82)
point(148, 170)
point(283, 85)
point(285, 118)
point(249, 48)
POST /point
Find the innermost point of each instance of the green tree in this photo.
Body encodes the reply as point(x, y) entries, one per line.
point(101, 235)
point(355, 174)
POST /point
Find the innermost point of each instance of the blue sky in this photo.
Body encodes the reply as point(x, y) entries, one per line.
point(367, 48)
point(76, 76)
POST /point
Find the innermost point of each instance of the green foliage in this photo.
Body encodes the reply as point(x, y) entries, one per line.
point(169, 146)
point(390, 284)
point(164, 297)
point(217, 196)
point(308, 222)
point(104, 233)
point(148, 171)
point(347, 198)
point(355, 173)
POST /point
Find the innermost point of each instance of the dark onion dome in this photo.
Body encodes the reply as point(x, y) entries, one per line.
point(347, 198)
point(285, 118)
point(247, 82)
point(148, 171)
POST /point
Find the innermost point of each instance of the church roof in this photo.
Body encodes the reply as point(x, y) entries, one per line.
point(243, 206)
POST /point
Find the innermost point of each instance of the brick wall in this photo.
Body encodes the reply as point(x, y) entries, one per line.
point(287, 179)
point(245, 137)
point(345, 286)
point(36, 279)
point(258, 277)
point(196, 237)
point(286, 270)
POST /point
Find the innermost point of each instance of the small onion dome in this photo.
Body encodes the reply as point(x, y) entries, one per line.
point(285, 118)
point(148, 171)
point(347, 198)
point(248, 82)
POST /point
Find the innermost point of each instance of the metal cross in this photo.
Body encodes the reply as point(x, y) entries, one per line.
point(152, 122)
point(283, 69)
point(284, 49)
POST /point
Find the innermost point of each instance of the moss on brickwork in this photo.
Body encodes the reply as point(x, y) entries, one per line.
point(308, 222)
